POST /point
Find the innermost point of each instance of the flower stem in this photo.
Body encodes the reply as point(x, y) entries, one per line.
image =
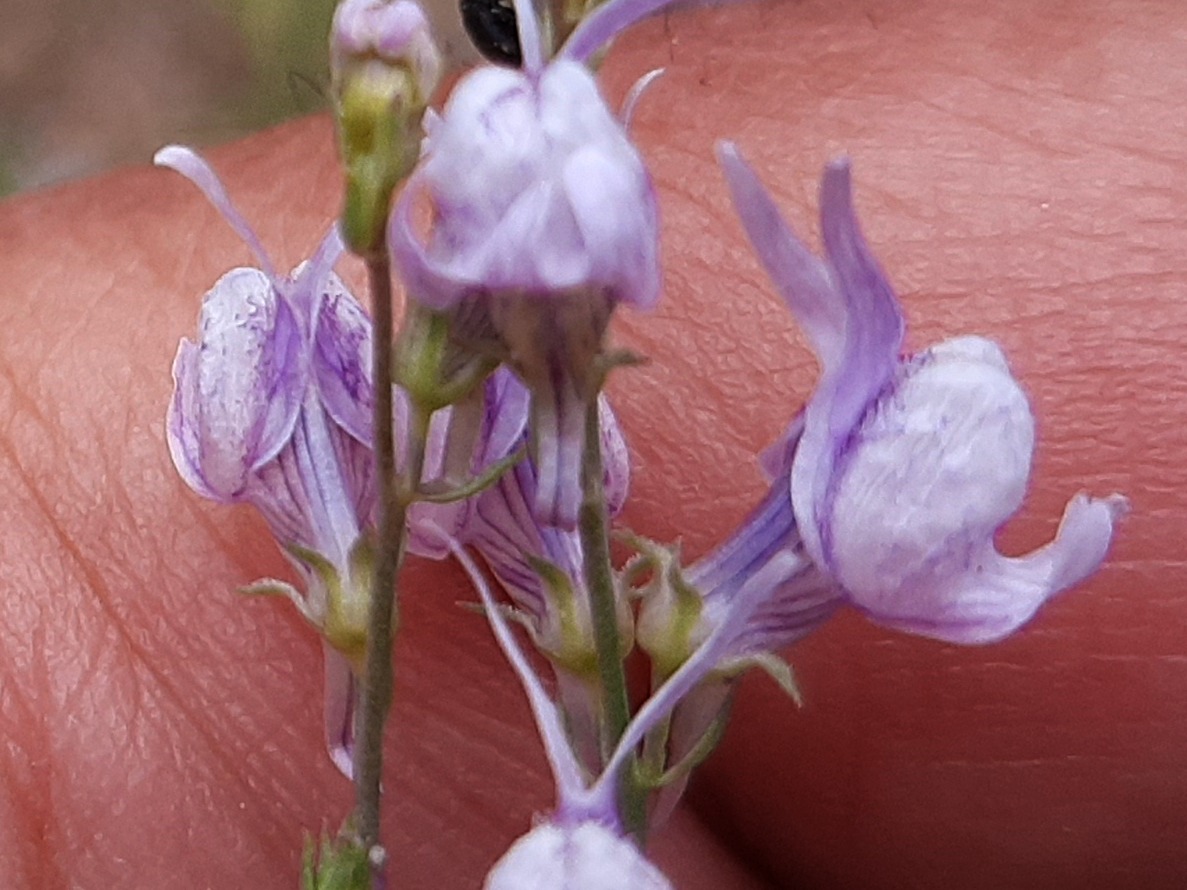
point(593, 528)
point(394, 498)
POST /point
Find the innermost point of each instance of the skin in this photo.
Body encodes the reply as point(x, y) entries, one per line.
point(1020, 174)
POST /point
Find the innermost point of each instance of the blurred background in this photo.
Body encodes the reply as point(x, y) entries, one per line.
point(87, 85)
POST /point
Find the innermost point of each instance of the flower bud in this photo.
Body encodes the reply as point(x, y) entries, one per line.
point(384, 67)
point(396, 33)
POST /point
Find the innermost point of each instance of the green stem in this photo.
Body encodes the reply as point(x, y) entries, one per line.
point(394, 498)
point(593, 528)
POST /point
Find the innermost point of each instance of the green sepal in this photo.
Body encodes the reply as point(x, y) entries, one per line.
point(276, 587)
point(324, 568)
point(773, 666)
point(348, 601)
point(574, 649)
point(444, 492)
point(334, 864)
point(432, 365)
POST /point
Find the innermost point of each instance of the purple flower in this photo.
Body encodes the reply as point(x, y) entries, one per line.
point(541, 569)
point(465, 441)
point(544, 219)
point(536, 191)
point(906, 467)
point(271, 407)
point(581, 845)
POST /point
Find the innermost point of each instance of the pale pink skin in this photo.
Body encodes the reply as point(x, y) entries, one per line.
point(1060, 240)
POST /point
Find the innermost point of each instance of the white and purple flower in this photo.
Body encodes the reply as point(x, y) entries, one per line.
point(271, 407)
point(906, 466)
point(582, 844)
point(544, 220)
point(541, 569)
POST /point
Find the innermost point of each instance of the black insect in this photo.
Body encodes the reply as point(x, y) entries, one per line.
point(491, 25)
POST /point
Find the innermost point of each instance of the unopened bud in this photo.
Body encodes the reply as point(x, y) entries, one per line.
point(395, 33)
point(385, 67)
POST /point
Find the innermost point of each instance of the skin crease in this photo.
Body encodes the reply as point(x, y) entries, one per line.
point(1020, 174)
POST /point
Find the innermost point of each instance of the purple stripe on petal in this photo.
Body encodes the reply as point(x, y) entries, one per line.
point(506, 419)
point(342, 362)
point(616, 458)
point(558, 423)
point(239, 390)
point(873, 321)
point(286, 367)
point(769, 528)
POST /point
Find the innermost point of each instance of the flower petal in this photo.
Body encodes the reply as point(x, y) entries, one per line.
point(506, 416)
point(429, 281)
point(622, 245)
point(605, 23)
point(996, 594)
point(314, 277)
point(616, 458)
point(239, 390)
point(531, 42)
point(183, 421)
point(558, 428)
point(584, 856)
point(342, 361)
point(803, 280)
point(867, 361)
point(565, 769)
point(929, 475)
point(873, 321)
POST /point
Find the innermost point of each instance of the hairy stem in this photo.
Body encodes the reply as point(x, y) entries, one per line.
point(593, 527)
point(394, 498)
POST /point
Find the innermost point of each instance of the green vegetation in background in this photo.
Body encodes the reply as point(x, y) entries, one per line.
point(287, 46)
